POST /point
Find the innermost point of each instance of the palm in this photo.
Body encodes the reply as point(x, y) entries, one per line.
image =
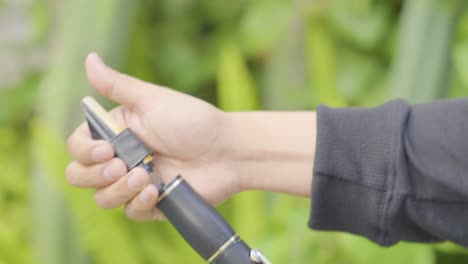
point(182, 131)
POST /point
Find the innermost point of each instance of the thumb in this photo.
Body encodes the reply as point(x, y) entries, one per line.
point(117, 86)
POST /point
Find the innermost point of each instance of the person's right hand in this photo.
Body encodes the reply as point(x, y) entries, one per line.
point(218, 153)
point(183, 132)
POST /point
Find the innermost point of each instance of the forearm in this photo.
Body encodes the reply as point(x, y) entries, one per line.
point(272, 151)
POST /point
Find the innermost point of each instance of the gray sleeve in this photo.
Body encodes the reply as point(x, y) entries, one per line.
point(392, 173)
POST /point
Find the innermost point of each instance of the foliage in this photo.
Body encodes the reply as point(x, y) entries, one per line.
point(14, 197)
point(239, 55)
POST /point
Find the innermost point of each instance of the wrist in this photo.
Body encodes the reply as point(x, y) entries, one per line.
point(271, 151)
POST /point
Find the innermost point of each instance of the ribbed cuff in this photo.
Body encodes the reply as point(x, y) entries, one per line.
point(354, 168)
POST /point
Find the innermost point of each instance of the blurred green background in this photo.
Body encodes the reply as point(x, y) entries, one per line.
point(239, 55)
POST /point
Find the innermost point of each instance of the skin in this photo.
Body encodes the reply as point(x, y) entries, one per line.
point(218, 153)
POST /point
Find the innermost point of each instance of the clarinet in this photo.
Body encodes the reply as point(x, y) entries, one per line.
point(207, 232)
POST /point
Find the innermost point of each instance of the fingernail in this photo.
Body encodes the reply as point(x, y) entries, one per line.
point(146, 196)
point(100, 153)
point(112, 172)
point(135, 180)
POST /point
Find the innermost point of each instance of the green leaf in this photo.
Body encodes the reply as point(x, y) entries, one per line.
point(263, 25)
point(321, 61)
point(420, 71)
point(17, 102)
point(460, 58)
point(451, 248)
point(366, 252)
point(286, 85)
point(236, 88)
point(359, 76)
point(41, 20)
point(363, 22)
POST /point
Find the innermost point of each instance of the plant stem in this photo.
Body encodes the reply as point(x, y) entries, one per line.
point(420, 71)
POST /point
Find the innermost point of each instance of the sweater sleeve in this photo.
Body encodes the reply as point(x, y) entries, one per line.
point(393, 173)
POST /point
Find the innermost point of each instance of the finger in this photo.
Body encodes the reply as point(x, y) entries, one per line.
point(142, 206)
point(86, 150)
point(95, 176)
point(119, 87)
point(123, 190)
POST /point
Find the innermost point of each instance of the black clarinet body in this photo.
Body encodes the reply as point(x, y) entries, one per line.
point(201, 225)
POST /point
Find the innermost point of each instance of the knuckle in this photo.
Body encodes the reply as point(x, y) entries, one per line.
point(109, 90)
point(102, 201)
point(146, 180)
point(120, 165)
point(132, 213)
point(122, 195)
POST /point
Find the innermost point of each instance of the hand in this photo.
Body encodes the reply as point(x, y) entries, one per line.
point(184, 133)
point(218, 153)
